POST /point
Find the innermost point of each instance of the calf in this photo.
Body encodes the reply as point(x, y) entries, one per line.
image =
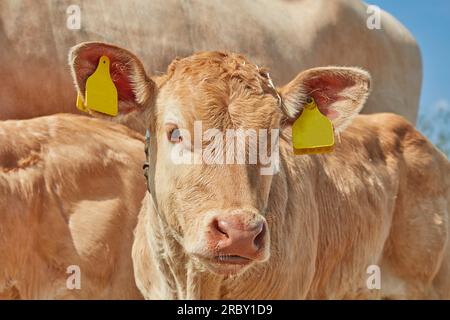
point(70, 185)
point(310, 230)
point(70, 191)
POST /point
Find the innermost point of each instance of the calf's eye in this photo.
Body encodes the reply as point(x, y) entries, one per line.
point(173, 133)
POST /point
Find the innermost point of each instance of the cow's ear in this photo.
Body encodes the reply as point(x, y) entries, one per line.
point(135, 90)
point(339, 92)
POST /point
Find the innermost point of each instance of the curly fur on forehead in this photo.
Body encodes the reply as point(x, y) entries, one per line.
point(224, 90)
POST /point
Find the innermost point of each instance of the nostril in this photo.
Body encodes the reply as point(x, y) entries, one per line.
point(221, 226)
point(259, 239)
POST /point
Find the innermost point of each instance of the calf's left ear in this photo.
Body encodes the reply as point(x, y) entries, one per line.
point(340, 93)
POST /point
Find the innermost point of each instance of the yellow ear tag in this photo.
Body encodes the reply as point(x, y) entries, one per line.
point(80, 105)
point(101, 93)
point(312, 132)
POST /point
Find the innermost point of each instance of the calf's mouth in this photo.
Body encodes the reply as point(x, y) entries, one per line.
point(232, 259)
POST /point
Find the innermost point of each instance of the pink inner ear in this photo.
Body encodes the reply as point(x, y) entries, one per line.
point(330, 113)
point(118, 70)
point(325, 90)
point(119, 75)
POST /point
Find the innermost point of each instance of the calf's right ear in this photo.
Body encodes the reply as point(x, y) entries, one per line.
point(135, 90)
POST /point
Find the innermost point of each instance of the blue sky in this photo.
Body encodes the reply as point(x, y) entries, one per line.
point(429, 22)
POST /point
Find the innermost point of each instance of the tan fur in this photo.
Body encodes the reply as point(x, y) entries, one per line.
point(286, 36)
point(70, 190)
point(381, 198)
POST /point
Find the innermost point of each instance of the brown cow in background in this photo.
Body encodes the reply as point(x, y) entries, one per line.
point(285, 36)
point(70, 191)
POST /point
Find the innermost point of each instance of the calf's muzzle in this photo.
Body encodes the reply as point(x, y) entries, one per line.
point(236, 238)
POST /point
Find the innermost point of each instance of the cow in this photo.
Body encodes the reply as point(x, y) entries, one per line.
point(286, 36)
point(310, 230)
point(70, 191)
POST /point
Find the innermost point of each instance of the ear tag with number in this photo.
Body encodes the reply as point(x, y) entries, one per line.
point(312, 132)
point(101, 93)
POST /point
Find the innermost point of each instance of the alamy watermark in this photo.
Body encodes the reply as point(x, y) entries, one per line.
point(73, 21)
point(234, 146)
point(374, 280)
point(374, 19)
point(74, 279)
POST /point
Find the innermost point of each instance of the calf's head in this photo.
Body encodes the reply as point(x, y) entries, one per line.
point(211, 118)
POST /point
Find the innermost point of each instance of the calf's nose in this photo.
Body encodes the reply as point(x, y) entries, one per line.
point(235, 237)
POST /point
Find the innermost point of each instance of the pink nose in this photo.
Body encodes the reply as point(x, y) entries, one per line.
point(235, 237)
